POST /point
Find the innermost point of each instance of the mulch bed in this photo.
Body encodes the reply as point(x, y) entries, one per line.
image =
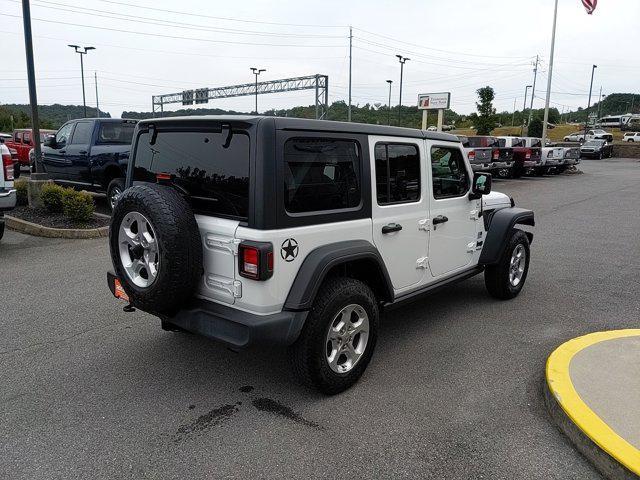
point(54, 220)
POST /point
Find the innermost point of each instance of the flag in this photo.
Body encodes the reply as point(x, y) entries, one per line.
point(590, 5)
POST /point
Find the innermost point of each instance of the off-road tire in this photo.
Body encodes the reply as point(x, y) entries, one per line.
point(308, 353)
point(179, 247)
point(115, 184)
point(496, 277)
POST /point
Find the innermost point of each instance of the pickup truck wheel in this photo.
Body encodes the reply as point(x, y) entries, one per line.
point(155, 247)
point(505, 279)
point(114, 191)
point(16, 171)
point(517, 172)
point(338, 338)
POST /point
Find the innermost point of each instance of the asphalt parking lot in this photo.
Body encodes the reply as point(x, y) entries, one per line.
point(454, 389)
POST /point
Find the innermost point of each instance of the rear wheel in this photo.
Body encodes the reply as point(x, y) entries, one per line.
point(114, 191)
point(16, 171)
point(505, 279)
point(338, 338)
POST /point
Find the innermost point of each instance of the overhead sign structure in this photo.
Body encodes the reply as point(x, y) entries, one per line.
point(433, 101)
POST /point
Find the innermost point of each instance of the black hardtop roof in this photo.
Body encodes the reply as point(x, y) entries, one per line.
point(285, 123)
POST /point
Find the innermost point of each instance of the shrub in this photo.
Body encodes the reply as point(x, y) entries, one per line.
point(51, 196)
point(21, 192)
point(77, 206)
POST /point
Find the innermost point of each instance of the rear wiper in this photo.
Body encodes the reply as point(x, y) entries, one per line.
point(227, 142)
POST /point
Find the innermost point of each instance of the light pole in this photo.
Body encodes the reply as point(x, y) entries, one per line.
point(401, 59)
point(524, 107)
point(593, 69)
point(600, 102)
point(256, 72)
point(82, 51)
point(389, 111)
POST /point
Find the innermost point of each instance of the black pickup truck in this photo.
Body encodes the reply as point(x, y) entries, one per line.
point(90, 154)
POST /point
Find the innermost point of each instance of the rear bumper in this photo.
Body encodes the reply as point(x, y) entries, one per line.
point(7, 199)
point(231, 326)
point(482, 167)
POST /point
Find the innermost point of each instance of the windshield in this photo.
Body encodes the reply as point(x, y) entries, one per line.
point(214, 177)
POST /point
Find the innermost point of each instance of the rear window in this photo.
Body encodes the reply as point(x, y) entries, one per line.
point(321, 174)
point(215, 178)
point(536, 143)
point(116, 133)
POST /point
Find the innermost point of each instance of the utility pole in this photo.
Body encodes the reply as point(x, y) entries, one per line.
point(586, 122)
point(82, 51)
point(600, 102)
point(546, 103)
point(350, 58)
point(256, 72)
point(95, 78)
point(533, 90)
point(513, 117)
point(31, 74)
point(389, 110)
point(524, 108)
point(401, 59)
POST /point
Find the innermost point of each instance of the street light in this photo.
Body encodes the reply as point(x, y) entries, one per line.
point(401, 59)
point(524, 107)
point(82, 51)
point(593, 69)
point(389, 111)
point(256, 72)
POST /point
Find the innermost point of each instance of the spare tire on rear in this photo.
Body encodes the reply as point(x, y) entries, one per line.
point(156, 248)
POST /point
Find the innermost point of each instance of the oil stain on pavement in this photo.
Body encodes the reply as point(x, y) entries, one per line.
point(206, 421)
point(277, 408)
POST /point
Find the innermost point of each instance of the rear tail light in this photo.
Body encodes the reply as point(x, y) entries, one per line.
point(471, 155)
point(255, 260)
point(7, 166)
point(527, 154)
point(496, 154)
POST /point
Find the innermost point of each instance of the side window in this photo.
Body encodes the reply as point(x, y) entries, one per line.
point(82, 133)
point(397, 173)
point(321, 174)
point(63, 134)
point(26, 138)
point(450, 178)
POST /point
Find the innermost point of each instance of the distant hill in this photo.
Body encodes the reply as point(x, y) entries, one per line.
point(51, 116)
point(613, 104)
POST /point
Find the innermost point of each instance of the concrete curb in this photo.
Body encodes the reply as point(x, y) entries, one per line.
point(609, 453)
point(30, 228)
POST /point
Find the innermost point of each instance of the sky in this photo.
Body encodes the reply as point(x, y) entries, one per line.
point(147, 48)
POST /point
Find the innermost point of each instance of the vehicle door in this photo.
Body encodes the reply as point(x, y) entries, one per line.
point(400, 208)
point(78, 152)
point(54, 158)
point(454, 218)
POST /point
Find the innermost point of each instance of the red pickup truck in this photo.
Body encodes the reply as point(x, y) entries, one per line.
point(22, 142)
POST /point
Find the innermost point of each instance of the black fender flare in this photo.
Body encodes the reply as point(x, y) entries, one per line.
point(502, 221)
point(320, 261)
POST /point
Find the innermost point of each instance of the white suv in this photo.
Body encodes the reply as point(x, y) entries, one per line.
point(7, 192)
point(262, 230)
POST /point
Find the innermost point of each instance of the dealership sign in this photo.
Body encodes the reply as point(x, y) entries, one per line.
point(434, 101)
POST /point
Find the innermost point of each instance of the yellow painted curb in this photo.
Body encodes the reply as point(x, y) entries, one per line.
point(560, 386)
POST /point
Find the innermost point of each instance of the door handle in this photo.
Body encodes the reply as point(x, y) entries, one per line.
point(82, 152)
point(440, 219)
point(62, 151)
point(391, 227)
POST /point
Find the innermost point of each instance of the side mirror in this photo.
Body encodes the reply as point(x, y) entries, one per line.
point(50, 141)
point(481, 185)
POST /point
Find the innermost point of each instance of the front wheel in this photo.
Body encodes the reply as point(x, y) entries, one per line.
point(338, 338)
point(505, 279)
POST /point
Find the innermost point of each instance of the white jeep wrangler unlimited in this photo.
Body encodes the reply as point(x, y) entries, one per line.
point(256, 230)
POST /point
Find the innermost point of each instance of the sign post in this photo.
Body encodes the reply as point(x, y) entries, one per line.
point(433, 101)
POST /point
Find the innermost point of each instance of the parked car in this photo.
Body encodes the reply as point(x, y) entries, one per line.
point(90, 154)
point(7, 192)
point(478, 151)
point(596, 149)
point(631, 137)
point(551, 159)
point(527, 153)
point(574, 137)
point(599, 135)
point(22, 142)
point(571, 157)
point(4, 137)
point(633, 125)
point(296, 232)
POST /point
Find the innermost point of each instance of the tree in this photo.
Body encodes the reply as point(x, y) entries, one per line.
point(486, 120)
point(535, 128)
